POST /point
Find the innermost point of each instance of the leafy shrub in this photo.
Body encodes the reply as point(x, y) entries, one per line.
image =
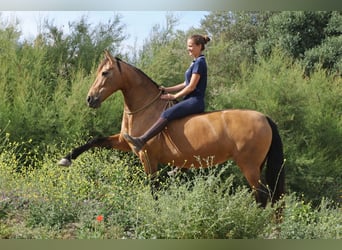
point(303, 221)
point(202, 208)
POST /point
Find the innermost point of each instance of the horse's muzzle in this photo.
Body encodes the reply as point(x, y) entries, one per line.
point(93, 102)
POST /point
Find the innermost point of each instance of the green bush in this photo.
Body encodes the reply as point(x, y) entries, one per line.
point(202, 208)
point(302, 221)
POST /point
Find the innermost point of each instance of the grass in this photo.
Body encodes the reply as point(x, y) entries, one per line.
point(50, 202)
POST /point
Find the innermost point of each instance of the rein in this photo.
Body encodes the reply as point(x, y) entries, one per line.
point(145, 106)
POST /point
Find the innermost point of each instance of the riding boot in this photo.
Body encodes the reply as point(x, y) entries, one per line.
point(139, 142)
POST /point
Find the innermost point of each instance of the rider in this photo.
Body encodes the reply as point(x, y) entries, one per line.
point(192, 89)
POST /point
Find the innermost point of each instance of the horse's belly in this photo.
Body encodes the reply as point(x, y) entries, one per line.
point(200, 146)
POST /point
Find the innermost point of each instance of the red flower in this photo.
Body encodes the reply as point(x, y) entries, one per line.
point(99, 218)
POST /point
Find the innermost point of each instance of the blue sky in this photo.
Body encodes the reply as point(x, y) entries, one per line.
point(138, 23)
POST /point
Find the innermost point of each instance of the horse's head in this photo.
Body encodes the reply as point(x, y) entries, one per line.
point(107, 81)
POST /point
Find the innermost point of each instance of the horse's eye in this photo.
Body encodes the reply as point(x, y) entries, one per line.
point(105, 73)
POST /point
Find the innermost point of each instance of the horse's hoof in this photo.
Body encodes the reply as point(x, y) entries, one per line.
point(64, 162)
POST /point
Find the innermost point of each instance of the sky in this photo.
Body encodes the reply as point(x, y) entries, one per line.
point(138, 23)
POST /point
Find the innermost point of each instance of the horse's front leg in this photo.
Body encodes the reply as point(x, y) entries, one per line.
point(151, 169)
point(114, 141)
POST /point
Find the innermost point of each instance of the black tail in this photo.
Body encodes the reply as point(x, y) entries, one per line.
point(275, 173)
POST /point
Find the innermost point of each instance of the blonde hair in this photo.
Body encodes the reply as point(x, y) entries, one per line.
point(200, 40)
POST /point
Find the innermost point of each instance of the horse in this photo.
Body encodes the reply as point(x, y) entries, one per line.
point(247, 137)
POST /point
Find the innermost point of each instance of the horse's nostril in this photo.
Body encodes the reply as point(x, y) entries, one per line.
point(89, 99)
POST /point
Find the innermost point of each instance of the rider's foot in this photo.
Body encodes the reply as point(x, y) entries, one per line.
point(136, 141)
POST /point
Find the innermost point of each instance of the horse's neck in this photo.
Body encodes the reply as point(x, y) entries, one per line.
point(142, 102)
point(139, 93)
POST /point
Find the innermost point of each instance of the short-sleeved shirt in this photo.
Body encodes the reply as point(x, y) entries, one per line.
point(198, 66)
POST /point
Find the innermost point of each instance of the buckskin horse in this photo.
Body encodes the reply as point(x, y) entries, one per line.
point(247, 137)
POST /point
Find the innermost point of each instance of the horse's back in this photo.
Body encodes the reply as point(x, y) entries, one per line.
point(224, 134)
point(235, 122)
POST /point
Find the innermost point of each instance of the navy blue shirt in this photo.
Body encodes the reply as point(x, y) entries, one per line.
point(198, 66)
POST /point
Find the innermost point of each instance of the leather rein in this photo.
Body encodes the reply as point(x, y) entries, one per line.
point(145, 106)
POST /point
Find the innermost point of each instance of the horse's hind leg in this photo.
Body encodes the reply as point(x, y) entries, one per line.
point(109, 142)
point(252, 173)
point(255, 183)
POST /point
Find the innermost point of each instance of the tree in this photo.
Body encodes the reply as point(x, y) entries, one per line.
point(163, 56)
point(294, 32)
point(234, 35)
point(241, 26)
point(9, 36)
point(314, 37)
point(328, 54)
point(42, 82)
point(84, 45)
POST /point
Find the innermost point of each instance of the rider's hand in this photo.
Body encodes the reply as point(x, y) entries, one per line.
point(162, 89)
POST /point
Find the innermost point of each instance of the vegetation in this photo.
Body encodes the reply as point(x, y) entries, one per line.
point(104, 195)
point(284, 64)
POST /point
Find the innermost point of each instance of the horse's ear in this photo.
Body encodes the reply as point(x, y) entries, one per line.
point(109, 56)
